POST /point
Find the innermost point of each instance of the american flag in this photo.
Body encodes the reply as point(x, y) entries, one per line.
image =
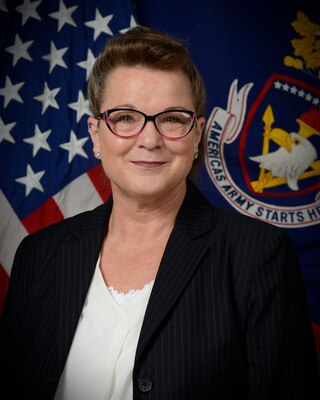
point(48, 172)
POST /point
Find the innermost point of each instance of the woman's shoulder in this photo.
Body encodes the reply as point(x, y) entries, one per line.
point(77, 224)
point(228, 220)
point(235, 218)
point(246, 238)
point(229, 225)
point(240, 228)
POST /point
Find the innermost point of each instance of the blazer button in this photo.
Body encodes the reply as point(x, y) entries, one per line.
point(145, 384)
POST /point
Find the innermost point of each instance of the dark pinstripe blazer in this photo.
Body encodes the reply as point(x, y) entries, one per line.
point(227, 317)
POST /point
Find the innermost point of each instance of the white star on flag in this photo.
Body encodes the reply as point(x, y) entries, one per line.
point(48, 98)
point(133, 24)
point(39, 140)
point(20, 50)
point(88, 63)
point(10, 92)
point(81, 106)
point(55, 57)
point(28, 10)
point(74, 147)
point(100, 24)
point(63, 16)
point(31, 180)
point(5, 133)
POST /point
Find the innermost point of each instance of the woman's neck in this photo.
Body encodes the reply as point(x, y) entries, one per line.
point(153, 219)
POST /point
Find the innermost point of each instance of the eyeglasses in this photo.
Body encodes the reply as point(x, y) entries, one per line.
point(128, 123)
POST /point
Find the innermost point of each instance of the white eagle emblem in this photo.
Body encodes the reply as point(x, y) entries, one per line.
point(294, 156)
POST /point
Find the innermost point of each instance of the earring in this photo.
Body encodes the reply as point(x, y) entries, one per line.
point(195, 156)
point(89, 127)
point(97, 155)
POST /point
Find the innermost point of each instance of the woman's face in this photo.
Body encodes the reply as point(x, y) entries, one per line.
point(148, 165)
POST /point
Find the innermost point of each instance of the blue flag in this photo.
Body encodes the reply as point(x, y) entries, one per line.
point(261, 67)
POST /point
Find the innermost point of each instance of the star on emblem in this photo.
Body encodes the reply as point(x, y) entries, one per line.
point(55, 57)
point(10, 92)
point(74, 147)
point(63, 16)
point(31, 180)
point(20, 50)
point(293, 90)
point(28, 10)
point(285, 87)
point(315, 101)
point(39, 140)
point(48, 98)
point(133, 23)
point(100, 24)
point(81, 106)
point(309, 97)
point(88, 63)
point(5, 131)
point(277, 85)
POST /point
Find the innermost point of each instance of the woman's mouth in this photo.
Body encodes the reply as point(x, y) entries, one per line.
point(148, 164)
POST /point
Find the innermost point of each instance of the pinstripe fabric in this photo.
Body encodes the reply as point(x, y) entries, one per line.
point(227, 316)
point(50, 278)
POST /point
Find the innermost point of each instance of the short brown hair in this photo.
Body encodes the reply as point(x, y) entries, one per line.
point(147, 47)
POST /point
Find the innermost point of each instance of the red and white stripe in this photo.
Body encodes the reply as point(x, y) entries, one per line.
point(83, 193)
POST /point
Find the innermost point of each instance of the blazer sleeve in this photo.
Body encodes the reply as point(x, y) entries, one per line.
point(16, 325)
point(13, 319)
point(280, 347)
point(11, 325)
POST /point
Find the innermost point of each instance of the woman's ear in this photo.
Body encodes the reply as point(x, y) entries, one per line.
point(199, 130)
point(94, 133)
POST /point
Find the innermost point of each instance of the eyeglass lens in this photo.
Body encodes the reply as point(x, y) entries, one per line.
point(172, 124)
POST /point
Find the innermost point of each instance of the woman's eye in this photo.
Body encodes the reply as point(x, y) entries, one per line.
point(124, 118)
point(172, 119)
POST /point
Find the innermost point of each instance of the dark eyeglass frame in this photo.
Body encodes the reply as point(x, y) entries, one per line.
point(105, 116)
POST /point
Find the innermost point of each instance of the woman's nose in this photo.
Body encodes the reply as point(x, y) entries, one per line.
point(149, 136)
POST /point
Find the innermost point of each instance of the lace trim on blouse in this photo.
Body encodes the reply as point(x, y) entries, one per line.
point(124, 298)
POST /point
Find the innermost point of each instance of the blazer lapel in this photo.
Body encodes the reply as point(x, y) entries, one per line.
point(77, 257)
point(183, 254)
point(76, 261)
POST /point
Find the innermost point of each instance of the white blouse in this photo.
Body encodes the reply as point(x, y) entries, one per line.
point(101, 357)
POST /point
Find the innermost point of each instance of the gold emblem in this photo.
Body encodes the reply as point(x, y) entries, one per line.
point(306, 48)
point(296, 157)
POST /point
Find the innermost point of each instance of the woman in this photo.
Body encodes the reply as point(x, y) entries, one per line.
point(155, 294)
